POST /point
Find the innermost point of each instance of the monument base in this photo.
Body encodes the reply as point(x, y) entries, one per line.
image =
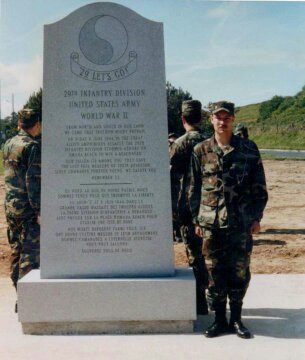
point(108, 327)
point(107, 306)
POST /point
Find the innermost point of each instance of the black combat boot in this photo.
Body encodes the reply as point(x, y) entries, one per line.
point(236, 326)
point(220, 325)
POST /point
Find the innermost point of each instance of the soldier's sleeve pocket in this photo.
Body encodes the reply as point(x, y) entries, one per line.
point(210, 168)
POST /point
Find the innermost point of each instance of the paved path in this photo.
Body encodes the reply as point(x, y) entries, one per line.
point(288, 154)
point(274, 311)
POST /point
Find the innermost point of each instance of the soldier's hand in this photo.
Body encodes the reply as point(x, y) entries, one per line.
point(198, 231)
point(255, 227)
point(38, 219)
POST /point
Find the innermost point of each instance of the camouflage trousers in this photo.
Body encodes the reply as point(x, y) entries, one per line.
point(228, 254)
point(193, 247)
point(24, 239)
point(176, 231)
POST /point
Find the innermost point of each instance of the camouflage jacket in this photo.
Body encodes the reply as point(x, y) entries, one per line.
point(226, 189)
point(22, 170)
point(180, 156)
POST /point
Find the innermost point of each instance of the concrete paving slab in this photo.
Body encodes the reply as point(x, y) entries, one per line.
point(274, 310)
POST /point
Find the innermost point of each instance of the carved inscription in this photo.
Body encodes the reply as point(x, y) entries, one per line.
point(105, 213)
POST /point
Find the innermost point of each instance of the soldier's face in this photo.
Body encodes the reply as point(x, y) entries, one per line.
point(39, 128)
point(223, 122)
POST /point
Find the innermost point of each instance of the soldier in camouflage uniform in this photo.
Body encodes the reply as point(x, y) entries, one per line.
point(22, 168)
point(242, 131)
point(175, 185)
point(172, 137)
point(227, 196)
point(180, 154)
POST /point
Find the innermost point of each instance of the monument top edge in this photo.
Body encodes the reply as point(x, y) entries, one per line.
point(104, 6)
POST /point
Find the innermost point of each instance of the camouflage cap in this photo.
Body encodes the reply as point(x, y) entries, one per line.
point(191, 107)
point(28, 117)
point(171, 135)
point(223, 105)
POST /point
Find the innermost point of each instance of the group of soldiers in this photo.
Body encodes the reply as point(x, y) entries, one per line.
point(218, 196)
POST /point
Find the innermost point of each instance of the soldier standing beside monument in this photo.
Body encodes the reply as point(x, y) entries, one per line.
point(22, 164)
point(180, 154)
point(175, 186)
point(227, 196)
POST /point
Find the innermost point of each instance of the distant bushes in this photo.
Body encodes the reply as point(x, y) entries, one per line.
point(267, 108)
point(284, 111)
point(279, 123)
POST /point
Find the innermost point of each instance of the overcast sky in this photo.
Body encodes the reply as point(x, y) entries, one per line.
point(245, 52)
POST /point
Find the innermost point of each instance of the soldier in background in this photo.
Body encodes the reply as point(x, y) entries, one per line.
point(22, 170)
point(175, 185)
point(242, 131)
point(180, 154)
point(227, 196)
point(172, 137)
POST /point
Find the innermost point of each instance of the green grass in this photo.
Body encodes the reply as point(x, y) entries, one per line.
point(285, 139)
point(287, 135)
point(248, 113)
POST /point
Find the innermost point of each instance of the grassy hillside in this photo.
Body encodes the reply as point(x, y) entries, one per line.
point(281, 139)
point(248, 113)
point(276, 123)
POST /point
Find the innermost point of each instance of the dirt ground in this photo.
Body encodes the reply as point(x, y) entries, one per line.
point(279, 248)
